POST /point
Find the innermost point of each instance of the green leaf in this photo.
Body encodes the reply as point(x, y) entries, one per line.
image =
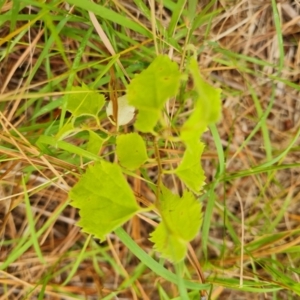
point(168, 244)
point(190, 170)
point(104, 198)
point(181, 221)
point(83, 101)
point(150, 90)
point(207, 106)
point(131, 150)
point(147, 119)
point(181, 214)
point(95, 142)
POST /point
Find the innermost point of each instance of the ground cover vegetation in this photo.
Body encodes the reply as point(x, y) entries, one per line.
point(149, 149)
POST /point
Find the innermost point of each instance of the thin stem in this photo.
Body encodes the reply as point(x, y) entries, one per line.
point(160, 171)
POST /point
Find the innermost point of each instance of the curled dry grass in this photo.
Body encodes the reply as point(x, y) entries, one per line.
point(253, 232)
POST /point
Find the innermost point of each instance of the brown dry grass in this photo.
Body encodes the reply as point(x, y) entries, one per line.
point(243, 27)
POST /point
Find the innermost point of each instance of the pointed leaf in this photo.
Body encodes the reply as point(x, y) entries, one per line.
point(104, 199)
point(83, 101)
point(131, 150)
point(150, 90)
point(190, 170)
point(208, 95)
point(181, 221)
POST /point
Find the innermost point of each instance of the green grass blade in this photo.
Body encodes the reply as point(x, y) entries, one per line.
point(17, 252)
point(264, 128)
point(279, 35)
point(176, 13)
point(77, 261)
point(192, 10)
point(31, 223)
point(48, 140)
point(181, 285)
point(257, 127)
point(46, 49)
point(284, 153)
point(110, 15)
point(71, 78)
point(210, 194)
point(152, 264)
point(14, 14)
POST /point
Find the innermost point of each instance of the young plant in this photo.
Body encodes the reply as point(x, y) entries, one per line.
point(103, 196)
